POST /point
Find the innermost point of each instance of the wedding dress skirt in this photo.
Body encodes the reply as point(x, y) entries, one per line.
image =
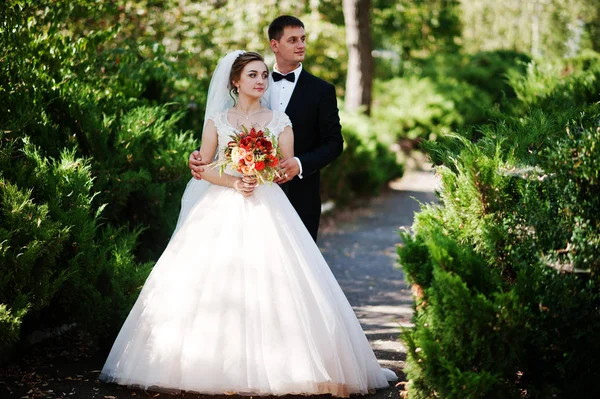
point(242, 301)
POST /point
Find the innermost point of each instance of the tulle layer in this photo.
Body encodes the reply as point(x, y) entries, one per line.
point(242, 301)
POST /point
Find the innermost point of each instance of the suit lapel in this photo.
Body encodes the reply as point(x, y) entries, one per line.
point(297, 96)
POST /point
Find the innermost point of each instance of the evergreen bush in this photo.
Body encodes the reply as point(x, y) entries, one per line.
point(57, 262)
point(505, 267)
point(92, 169)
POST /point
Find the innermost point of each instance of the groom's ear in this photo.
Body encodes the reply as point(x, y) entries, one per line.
point(274, 45)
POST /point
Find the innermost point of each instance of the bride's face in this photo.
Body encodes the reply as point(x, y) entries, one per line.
point(253, 80)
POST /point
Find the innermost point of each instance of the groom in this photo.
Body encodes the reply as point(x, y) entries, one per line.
point(311, 105)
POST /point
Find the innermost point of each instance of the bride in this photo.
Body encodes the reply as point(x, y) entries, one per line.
point(242, 301)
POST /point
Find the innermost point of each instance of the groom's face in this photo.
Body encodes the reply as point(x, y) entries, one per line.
point(291, 48)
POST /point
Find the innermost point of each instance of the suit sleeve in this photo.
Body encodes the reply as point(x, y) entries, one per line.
point(331, 142)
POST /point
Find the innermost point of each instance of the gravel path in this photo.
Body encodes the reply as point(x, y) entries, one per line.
point(361, 251)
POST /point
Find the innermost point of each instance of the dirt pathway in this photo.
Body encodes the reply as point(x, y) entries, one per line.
point(361, 252)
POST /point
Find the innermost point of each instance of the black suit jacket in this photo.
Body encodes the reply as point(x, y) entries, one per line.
point(317, 142)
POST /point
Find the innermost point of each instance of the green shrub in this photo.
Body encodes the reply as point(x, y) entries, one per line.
point(417, 107)
point(486, 70)
point(506, 266)
point(112, 105)
point(92, 159)
point(56, 261)
point(584, 61)
point(367, 164)
point(445, 92)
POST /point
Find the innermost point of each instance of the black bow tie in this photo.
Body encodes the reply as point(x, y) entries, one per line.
point(277, 76)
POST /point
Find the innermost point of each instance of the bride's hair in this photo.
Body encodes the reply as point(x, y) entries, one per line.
point(238, 66)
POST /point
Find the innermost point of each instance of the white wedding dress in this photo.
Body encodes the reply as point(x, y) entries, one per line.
point(242, 301)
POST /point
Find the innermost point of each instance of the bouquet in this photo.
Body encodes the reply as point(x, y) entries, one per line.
point(252, 153)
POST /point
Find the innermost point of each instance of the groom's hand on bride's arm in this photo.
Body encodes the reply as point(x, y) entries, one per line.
point(196, 164)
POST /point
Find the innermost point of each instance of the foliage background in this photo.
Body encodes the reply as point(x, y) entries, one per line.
point(506, 266)
point(102, 102)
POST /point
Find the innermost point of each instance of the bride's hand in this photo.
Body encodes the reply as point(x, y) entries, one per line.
point(245, 185)
point(251, 180)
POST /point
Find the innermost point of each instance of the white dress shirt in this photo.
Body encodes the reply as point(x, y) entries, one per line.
point(281, 93)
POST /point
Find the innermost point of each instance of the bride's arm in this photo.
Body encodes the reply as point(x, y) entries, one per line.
point(212, 175)
point(286, 147)
point(286, 143)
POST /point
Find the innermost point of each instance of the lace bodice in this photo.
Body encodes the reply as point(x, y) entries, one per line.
point(225, 130)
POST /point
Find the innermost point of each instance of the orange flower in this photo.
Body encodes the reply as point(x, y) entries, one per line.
point(260, 165)
point(248, 169)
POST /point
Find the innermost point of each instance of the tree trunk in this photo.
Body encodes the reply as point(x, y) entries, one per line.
point(359, 82)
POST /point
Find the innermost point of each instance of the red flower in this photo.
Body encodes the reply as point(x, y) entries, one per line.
point(260, 165)
point(264, 143)
point(272, 160)
point(246, 143)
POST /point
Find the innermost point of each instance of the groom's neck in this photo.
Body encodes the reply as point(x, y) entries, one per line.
point(286, 68)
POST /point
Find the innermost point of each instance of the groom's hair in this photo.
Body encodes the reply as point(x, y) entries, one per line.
point(280, 23)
